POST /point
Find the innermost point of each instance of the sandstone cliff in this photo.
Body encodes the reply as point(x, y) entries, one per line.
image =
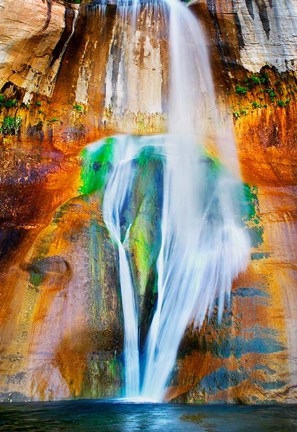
point(60, 320)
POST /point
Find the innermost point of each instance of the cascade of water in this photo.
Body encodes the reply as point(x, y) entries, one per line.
point(203, 246)
point(117, 192)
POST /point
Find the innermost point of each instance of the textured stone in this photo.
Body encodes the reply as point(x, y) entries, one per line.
point(254, 33)
point(269, 33)
point(61, 323)
point(29, 35)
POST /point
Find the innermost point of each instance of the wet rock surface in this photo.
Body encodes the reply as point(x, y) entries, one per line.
point(61, 319)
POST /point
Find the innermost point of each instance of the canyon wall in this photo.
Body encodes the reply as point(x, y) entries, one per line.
point(60, 316)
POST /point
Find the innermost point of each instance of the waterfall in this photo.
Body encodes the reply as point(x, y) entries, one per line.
point(117, 191)
point(203, 244)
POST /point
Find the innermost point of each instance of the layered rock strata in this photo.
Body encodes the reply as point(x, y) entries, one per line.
point(60, 311)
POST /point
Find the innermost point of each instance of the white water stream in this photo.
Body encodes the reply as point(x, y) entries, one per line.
point(203, 245)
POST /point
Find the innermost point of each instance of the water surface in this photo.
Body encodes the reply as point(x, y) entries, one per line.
point(110, 416)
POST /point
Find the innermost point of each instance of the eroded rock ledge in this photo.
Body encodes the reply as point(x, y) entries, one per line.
point(50, 82)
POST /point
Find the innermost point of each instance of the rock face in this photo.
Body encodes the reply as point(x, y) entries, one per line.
point(256, 32)
point(60, 316)
point(34, 38)
point(268, 31)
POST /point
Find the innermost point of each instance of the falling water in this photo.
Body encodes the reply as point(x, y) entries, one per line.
point(203, 245)
point(118, 190)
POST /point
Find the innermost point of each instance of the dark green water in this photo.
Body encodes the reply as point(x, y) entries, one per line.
point(110, 416)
